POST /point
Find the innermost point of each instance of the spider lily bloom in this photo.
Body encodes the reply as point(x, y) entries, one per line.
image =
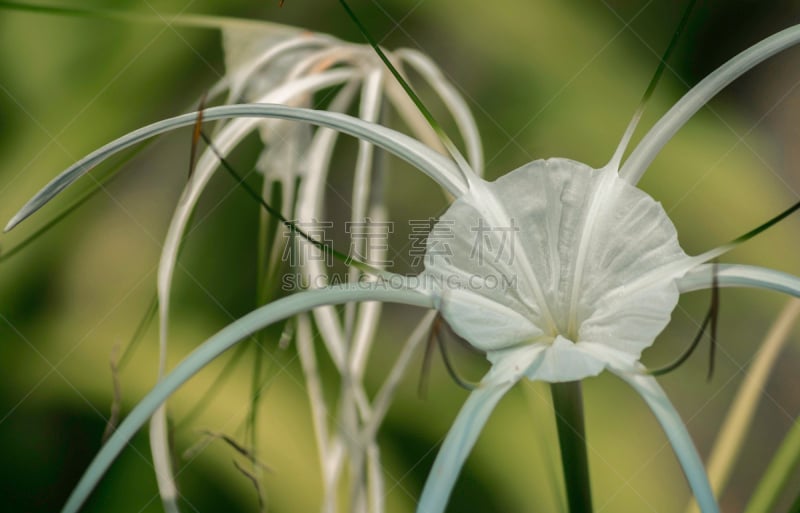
point(596, 270)
point(596, 262)
point(287, 66)
point(274, 64)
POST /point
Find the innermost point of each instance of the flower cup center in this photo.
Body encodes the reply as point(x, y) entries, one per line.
point(543, 253)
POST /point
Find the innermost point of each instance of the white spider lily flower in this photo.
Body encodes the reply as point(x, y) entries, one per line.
point(595, 262)
point(574, 271)
point(577, 242)
point(288, 66)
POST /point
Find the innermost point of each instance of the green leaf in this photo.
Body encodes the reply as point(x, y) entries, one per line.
point(783, 466)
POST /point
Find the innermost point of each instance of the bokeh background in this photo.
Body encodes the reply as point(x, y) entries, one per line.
point(544, 78)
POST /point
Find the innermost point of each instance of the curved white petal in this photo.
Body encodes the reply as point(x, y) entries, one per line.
point(649, 389)
point(474, 316)
point(433, 164)
point(216, 345)
point(698, 96)
point(736, 275)
point(452, 99)
point(509, 366)
point(564, 360)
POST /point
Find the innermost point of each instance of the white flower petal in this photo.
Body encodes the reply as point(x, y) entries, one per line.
point(662, 408)
point(487, 324)
point(257, 60)
point(737, 275)
point(222, 341)
point(508, 367)
point(565, 360)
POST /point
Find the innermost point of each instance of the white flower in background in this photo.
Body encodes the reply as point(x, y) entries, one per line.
point(280, 65)
point(595, 262)
point(288, 66)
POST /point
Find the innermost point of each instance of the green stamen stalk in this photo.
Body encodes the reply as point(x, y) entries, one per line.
point(568, 404)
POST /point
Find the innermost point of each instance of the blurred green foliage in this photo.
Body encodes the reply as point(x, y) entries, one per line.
point(545, 78)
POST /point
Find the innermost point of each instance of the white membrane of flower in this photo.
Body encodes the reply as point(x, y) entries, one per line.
point(563, 234)
point(585, 234)
point(621, 322)
point(638, 247)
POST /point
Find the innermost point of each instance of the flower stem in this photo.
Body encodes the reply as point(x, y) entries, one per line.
point(778, 474)
point(568, 404)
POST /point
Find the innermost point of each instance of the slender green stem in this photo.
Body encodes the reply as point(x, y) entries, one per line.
point(452, 149)
point(568, 404)
point(796, 505)
point(165, 19)
point(780, 470)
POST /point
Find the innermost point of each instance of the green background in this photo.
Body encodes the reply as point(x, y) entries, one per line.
point(544, 78)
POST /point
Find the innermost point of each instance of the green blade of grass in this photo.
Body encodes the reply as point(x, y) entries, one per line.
point(651, 87)
point(178, 20)
point(739, 418)
point(781, 469)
